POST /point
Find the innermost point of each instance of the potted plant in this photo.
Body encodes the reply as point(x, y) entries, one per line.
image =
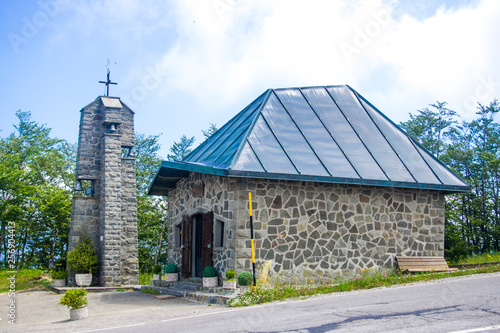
point(59, 278)
point(82, 260)
point(76, 300)
point(171, 273)
point(157, 272)
point(230, 282)
point(210, 278)
point(245, 279)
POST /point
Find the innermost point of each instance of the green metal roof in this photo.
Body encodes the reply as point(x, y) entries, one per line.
point(325, 134)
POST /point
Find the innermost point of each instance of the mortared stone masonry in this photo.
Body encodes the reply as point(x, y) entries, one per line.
point(106, 208)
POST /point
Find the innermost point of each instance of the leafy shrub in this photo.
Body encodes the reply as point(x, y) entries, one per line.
point(455, 247)
point(171, 268)
point(145, 278)
point(75, 298)
point(83, 258)
point(149, 291)
point(230, 274)
point(58, 275)
point(245, 278)
point(209, 271)
point(157, 269)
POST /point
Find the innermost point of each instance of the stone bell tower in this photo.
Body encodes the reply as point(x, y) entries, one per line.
point(105, 204)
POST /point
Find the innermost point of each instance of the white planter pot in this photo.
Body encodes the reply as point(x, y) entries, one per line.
point(210, 282)
point(77, 314)
point(83, 280)
point(171, 277)
point(229, 284)
point(157, 277)
point(59, 283)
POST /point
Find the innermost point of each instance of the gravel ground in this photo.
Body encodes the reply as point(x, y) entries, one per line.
point(39, 311)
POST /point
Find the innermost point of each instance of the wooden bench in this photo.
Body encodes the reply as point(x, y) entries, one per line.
point(423, 264)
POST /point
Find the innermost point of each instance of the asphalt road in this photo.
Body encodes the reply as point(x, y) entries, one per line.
point(466, 304)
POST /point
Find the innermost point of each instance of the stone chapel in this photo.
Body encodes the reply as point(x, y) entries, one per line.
point(337, 187)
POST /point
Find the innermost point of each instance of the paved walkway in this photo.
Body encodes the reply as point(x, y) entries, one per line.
point(39, 311)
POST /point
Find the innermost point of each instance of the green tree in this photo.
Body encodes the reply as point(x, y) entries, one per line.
point(151, 211)
point(431, 127)
point(147, 160)
point(180, 149)
point(211, 130)
point(486, 164)
point(471, 149)
point(35, 194)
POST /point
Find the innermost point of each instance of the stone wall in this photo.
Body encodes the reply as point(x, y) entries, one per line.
point(315, 229)
point(311, 229)
point(84, 219)
point(88, 163)
point(218, 197)
point(129, 244)
point(110, 211)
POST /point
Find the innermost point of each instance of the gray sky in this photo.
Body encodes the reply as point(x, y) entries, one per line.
point(181, 65)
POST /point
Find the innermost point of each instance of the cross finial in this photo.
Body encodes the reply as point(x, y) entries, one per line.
point(107, 83)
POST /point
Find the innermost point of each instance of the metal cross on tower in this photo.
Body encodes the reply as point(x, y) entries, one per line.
point(107, 83)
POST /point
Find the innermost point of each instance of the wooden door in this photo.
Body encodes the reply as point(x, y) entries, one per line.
point(207, 240)
point(186, 247)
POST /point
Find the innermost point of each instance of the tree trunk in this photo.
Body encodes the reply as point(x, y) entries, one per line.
point(160, 241)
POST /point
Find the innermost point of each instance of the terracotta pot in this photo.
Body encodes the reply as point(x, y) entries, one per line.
point(77, 314)
point(83, 280)
point(210, 282)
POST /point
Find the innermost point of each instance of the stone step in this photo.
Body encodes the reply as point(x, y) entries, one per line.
point(206, 295)
point(187, 285)
point(191, 286)
point(62, 290)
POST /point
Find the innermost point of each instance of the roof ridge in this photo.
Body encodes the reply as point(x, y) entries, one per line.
point(213, 141)
point(257, 113)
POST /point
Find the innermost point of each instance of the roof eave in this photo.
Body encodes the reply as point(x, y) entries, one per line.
point(350, 181)
point(157, 189)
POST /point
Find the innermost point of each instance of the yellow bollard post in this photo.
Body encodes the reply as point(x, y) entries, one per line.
point(252, 241)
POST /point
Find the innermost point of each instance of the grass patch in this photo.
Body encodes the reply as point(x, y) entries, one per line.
point(145, 278)
point(479, 259)
point(365, 281)
point(149, 291)
point(25, 279)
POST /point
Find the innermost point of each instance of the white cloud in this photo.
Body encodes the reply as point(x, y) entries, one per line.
point(407, 63)
point(445, 57)
point(253, 44)
point(204, 60)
